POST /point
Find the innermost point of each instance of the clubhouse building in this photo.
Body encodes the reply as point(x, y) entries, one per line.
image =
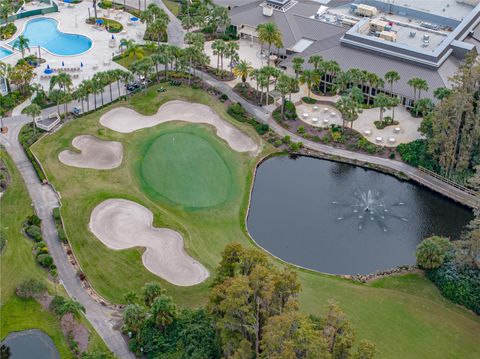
point(416, 38)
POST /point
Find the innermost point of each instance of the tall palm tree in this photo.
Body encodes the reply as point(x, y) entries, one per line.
point(133, 50)
point(391, 77)
point(269, 71)
point(297, 65)
point(243, 69)
point(33, 110)
point(218, 47)
point(284, 87)
point(316, 61)
point(422, 85)
point(382, 101)
point(309, 77)
point(269, 33)
point(418, 84)
point(22, 43)
point(329, 69)
point(64, 82)
point(231, 52)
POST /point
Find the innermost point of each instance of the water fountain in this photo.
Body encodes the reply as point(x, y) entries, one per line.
point(365, 205)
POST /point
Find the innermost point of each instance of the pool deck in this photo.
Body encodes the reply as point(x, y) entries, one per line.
point(72, 20)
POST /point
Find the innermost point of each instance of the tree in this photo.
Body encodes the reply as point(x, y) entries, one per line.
point(365, 350)
point(64, 82)
point(130, 297)
point(22, 43)
point(297, 65)
point(21, 75)
point(292, 335)
point(309, 77)
point(431, 252)
point(133, 318)
point(242, 70)
point(349, 109)
point(143, 68)
point(338, 332)
point(284, 87)
point(391, 77)
point(316, 61)
point(418, 85)
point(133, 50)
point(33, 110)
point(150, 291)
point(71, 306)
point(383, 102)
point(164, 311)
point(219, 17)
point(219, 47)
point(231, 52)
point(269, 33)
point(441, 92)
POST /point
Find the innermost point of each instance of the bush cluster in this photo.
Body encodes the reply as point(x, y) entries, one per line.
point(30, 288)
point(240, 114)
point(415, 154)
point(7, 31)
point(28, 137)
point(32, 229)
point(57, 217)
point(309, 100)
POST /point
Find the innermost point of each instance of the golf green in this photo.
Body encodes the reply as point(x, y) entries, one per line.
point(183, 167)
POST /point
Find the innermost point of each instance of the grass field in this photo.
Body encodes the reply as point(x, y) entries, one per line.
point(184, 168)
point(173, 6)
point(18, 263)
point(404, 315)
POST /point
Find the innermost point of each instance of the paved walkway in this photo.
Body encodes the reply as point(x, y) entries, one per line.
point(44, 200)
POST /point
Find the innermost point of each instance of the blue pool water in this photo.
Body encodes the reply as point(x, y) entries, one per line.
point(45, 33)
point(4, 52)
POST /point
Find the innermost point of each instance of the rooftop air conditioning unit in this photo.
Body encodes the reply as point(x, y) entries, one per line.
point(267, 11)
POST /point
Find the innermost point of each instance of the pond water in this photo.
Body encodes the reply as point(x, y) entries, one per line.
point(29, 344)
point(343, 219)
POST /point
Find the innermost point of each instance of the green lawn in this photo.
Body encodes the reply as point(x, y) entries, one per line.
point(404, 315)
point(183, 167)
point(173, 6)
point(17, 263)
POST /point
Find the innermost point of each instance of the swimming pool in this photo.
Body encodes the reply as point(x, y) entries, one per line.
point(4, 52)
point(45, 33)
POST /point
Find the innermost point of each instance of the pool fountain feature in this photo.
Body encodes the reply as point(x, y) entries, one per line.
point(343, 219)
point(369, 205)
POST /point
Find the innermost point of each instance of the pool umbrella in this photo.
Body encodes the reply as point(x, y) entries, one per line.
point(48, 70)
point(134, 19)
point(113, 37)
point(81, 64)
point(63, 63)
point(68, 1)
point(99, 21)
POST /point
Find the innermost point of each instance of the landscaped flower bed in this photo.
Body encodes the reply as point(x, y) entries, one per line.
point(7, 31)
point(112, 26)
point(252, 95)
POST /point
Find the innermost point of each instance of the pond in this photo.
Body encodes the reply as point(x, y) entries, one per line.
point(30, 344)
point(342, 219)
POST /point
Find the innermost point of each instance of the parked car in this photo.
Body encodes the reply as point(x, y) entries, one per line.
point(133, 86)
point(76, 111)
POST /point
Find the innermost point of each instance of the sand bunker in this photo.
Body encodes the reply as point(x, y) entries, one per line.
point(95, 153)
point(126, 120)
point(122, 224)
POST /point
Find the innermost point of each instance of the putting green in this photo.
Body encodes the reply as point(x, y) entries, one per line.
point(183, 167)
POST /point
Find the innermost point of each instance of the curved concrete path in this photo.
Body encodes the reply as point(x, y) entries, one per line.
point(44, 200)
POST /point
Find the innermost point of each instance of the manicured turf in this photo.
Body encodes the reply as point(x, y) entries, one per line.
point(186, 169)
point(18, 264)
point(404, 315)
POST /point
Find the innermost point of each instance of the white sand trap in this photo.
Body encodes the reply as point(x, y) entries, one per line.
point(125, 120)
point(122, 224)
point(95, 153)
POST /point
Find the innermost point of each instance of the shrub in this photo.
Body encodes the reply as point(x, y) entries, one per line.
point(261, 128)
point(458, 283)
point(301, 129)
point(56, 214)
point(309, 100)
point(364, 145)
point(286, 140)
point(290, 111)
point(223, 97)
point(431, 252)
point(34, 220)
point(56, 304)
point(415, 154)
point(45, 260)
point(237, 112)
point(7, 31)
point(277, 143)
point(62, 235)
point(30, 288)
point(34, 233)
point(296, 146)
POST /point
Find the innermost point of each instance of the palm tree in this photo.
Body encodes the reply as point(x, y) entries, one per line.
point(316, 61)
point(309, 77)
point(374, 81)
point(143, 68)
point(134, 50)
point(382, 101)
point(284, 87)
point(22, 44)
point(56, 96)
point(422, 85)
point(269, 71)
point(269, 33)
point(218, 47)
point(243, 69)
point(5, 71)
point(391, 77)
point(64, 82)
point(349, 109)
point(297, 65)
point(418, 85)
point(33, 110)
point(329, 69)
point(231, 52)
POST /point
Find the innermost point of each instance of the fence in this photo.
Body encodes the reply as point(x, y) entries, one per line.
point(22, 15)
point(451, 183)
